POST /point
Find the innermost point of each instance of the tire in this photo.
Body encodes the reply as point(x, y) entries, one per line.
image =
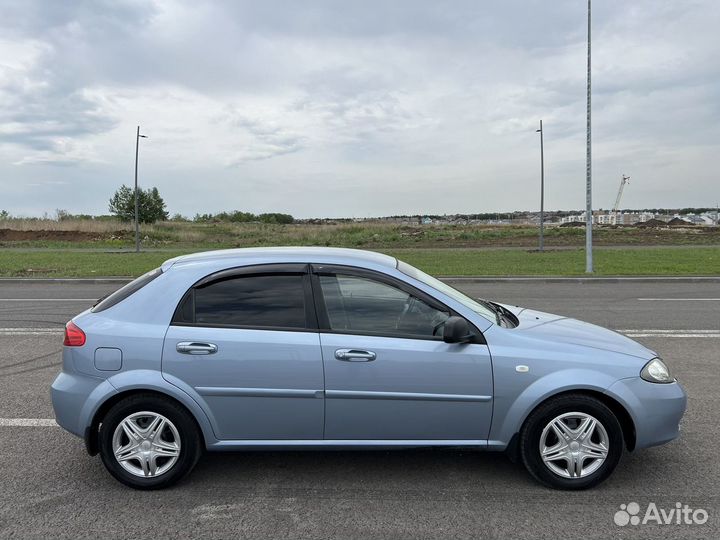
point(580, 463)
point(154, 458)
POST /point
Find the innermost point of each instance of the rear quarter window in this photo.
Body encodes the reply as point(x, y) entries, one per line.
point(126, 291)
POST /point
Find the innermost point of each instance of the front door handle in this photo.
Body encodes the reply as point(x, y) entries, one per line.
point(193, 347)
point(355, 355)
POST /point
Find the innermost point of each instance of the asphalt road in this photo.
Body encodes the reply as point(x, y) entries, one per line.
point(49, 486)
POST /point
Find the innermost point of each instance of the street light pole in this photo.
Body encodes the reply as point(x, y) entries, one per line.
point(137, 220)
point(588, 162)
point(542, 186)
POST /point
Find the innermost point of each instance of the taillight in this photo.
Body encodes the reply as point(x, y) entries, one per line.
point(74, 337)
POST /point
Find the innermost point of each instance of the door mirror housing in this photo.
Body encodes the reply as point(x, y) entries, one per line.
point(457, 330)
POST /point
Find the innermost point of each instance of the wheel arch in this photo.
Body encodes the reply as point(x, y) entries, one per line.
point(91, 434)
point(626, 421)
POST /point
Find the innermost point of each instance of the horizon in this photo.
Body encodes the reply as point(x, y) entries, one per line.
point(55, 215)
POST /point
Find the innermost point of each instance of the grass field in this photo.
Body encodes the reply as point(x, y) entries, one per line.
point(367, 235)
point(653, 261)
point(32, 247)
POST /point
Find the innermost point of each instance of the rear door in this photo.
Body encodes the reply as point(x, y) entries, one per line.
point(388, 373)
point(246, 341)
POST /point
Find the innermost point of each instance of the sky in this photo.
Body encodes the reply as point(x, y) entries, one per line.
point(357, 108)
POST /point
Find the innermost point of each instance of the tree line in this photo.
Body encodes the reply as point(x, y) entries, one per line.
point(152, 208)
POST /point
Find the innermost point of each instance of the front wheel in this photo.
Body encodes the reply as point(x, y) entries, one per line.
point(571, 442)
point(149, 442)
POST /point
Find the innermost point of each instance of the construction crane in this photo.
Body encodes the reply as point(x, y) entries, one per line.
point(625, 180)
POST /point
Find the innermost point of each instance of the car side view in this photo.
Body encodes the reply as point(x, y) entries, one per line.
point(324, 348)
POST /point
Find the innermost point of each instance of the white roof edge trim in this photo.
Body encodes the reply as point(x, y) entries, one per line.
point(274, 253)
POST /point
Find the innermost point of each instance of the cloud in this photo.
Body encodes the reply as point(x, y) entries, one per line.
point(42, 113)
point(364, 108)
point(264, 138)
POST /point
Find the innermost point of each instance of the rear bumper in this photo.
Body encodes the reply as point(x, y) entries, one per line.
point(75, 400)
point(656, 409)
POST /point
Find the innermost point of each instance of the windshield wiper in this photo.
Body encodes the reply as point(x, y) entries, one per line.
point(492, 307)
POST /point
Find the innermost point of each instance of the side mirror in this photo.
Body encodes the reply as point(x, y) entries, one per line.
point(457, 330)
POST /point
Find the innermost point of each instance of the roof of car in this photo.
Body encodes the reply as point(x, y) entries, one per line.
point(286, 254)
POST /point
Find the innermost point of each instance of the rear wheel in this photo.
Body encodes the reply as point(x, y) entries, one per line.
point(571, 442)
point(149, 442)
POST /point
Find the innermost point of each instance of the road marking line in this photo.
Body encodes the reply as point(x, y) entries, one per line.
point(31, 331)
point(676, 335)
point(31, 328)
point(48, 299)
point(686, 333)
point(679, 299)
point(668, 331)
point(28, 422)
point(631, 332)
point(7, 334)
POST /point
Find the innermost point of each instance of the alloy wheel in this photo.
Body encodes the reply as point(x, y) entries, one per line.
point(146, 444)
point(574, 445)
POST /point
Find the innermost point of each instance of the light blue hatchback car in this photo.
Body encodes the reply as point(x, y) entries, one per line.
point(321, 348)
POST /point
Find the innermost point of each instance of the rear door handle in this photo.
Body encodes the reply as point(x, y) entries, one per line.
point(194, 347)
point(355, 355)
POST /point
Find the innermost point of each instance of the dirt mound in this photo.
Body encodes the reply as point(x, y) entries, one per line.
point(677, 222)
point(12, 235)
point(651, 223)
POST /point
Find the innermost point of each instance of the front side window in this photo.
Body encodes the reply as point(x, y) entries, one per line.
point(363, 305)
point(251, 300)
point(444, 288)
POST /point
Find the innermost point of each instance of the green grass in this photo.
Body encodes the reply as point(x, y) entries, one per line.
point(78, 264)
point(368, 235)
point(444, 262)
point(509, 262)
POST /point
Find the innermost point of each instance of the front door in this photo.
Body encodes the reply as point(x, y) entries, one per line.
point(246, 344)
point(388, 373)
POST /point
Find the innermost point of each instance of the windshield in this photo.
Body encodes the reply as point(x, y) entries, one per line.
point(446, 289)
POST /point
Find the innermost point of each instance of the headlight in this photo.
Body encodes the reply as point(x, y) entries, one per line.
point(656, 371)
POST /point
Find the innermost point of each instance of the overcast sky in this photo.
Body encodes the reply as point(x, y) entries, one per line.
point(356, 108)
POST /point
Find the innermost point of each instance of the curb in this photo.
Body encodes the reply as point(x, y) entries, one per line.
point(82, 281)
point(600, 279)
point(452, 279)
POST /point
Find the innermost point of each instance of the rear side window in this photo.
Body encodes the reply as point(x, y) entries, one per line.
point(276, 301)
point(129, 289)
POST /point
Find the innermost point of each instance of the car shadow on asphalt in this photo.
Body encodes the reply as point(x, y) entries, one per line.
point(418, 469)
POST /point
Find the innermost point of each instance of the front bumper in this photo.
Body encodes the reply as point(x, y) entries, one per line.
point(656, 409)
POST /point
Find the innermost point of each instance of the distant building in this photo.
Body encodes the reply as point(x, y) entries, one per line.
point(700, 219)
point(630, 218)
point(600, 217)
point(597, 214)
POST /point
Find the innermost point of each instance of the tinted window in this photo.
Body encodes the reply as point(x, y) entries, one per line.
point(267, 300)
point(359, 304)
point(122, 293)
point(453, 293)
